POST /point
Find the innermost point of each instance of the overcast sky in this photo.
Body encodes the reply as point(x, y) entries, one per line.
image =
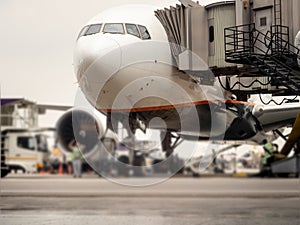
point(36, 46)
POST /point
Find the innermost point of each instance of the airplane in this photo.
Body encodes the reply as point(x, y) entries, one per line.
point(124, 66)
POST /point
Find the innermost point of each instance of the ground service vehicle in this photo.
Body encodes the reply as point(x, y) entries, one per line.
point(23, 150)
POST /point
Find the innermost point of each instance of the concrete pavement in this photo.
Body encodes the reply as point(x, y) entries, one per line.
point(91, 200)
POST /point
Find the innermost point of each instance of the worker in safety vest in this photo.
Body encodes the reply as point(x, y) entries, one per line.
point(76, 158)
point(56, 159)
point(69, 159)
point(269, 153)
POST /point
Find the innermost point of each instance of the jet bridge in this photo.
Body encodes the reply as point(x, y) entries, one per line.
point(188, 40)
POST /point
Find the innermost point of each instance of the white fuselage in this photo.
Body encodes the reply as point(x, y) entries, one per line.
point(120, 68)
point(119, 71)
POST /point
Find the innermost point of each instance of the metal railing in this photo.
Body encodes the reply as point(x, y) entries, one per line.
point(246, 40)
point(239, 40)
point(281, 44)
point(270, 52)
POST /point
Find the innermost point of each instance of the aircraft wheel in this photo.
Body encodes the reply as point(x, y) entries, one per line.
point(196, 174)
point(4, 173)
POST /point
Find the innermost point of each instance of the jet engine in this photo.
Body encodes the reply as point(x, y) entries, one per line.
point(81, 126)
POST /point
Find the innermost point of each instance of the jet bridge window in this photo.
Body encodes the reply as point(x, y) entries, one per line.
point(113, 28)
point(144, 32)
point(263, 21)
point(211, 34)
point(132, 29)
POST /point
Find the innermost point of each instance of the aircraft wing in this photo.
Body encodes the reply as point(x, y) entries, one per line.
point(275, 116)
point(42, 108)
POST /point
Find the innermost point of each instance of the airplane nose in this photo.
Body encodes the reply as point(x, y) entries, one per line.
point(96, 56)
point(96, 59)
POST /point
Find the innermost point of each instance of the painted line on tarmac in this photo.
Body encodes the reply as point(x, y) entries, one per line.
point(289, 194)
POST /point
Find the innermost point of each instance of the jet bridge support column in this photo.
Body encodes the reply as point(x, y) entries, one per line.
point(294, 137)
point(290, 165)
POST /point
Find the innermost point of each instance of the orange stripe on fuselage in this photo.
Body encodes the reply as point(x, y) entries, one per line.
point(166, 107)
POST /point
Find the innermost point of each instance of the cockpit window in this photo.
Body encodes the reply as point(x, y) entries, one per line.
point(93, 29)
point(90, 29)
point(144, 32)
point(83, 31)
point(113, 28)
point(132, 29)
point(116, 28)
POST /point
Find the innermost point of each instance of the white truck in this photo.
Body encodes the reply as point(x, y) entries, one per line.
point(23, 150)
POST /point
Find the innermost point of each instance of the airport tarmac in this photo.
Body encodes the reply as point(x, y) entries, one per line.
point(34, 199)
